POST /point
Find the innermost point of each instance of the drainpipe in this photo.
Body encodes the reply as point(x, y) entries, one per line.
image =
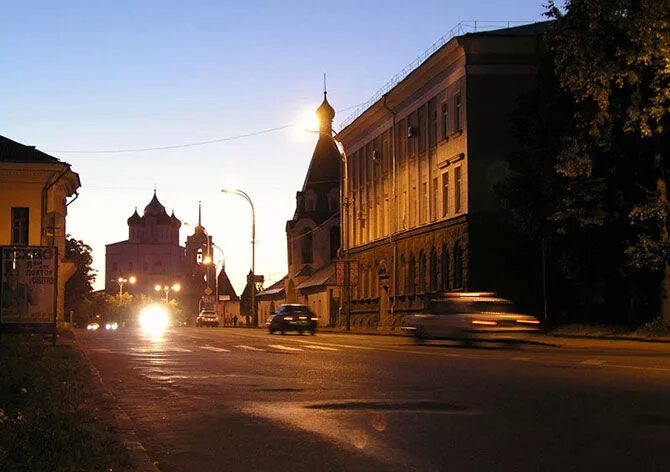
point(45, 196)
point(393, 204)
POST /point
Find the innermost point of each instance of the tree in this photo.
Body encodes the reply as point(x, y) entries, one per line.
point(80, 285)
point(611, 58)
point(589, 182)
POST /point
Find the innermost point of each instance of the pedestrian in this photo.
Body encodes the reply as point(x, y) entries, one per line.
point(234, 321)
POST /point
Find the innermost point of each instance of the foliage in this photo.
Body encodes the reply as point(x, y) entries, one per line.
point(590, 179)
point(53, 415)
point(80, 284)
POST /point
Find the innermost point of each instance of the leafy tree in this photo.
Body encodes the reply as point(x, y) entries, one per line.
point(78, 287)
point(611, 58)
point(590, 180)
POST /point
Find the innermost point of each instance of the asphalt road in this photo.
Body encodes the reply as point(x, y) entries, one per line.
point(239, 399)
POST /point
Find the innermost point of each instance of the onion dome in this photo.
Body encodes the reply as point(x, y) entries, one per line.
point(174, 220)
point(154, 207)
point(326, 114)
point(135, 218)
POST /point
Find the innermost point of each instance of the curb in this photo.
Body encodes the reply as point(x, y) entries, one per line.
point(139, 457)
point(606, 337)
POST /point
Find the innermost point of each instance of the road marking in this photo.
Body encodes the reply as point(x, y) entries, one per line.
point(101, 349)
point(250, 348)
point(350, 346)
point(320, 348)
point(214, 349)
point(592, 362)
point(175, 349)
point(284, 348)
point(520, 358)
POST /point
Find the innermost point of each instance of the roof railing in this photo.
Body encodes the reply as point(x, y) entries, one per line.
point(461, 28)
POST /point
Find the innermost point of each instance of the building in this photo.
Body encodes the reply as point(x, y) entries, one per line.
point(421, 214)
point(34, 192)
point(313, 234)
point(151, 253)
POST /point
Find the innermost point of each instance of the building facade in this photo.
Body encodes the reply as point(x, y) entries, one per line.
point(34, 192)
point(151, 253)
point(313, 234)
point(421, 214)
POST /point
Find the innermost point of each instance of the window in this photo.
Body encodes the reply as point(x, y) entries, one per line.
point(458, 110)
point(432, 128)
point(410, 287)
point(433, 206)
point(444, 280)
point(20, 223)
point(422, 135)
point(402, 275)
point(433, 270)
point(457, 194)
point(458, 266)
point(424, 202)
point(422, 272)
point(445, 120)
point(445, 194)
point(334, 241)
point(413, 203)
point(306, 246)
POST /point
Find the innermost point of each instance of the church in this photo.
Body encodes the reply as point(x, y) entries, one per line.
point(153, 255)
point(313, 234)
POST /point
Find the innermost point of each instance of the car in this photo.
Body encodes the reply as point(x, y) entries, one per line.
point(93, 326)
point(469, 316)
point(292, 317)
point(207, 318)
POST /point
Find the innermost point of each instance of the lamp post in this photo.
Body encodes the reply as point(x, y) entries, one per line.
point(253, 250)
point(123, 280)
point(166, 289)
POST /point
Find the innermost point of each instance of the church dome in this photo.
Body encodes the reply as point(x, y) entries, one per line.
point(135, 218)
point(154, 207)
point(175, 221)
point(325, 112)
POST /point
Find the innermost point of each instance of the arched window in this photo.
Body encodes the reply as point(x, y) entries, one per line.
point(444, 282)
point(422, 272)
point(400, 276)
point(433, 270)
point(334, 241)
point(306, 246)
point(373, 281)
point(410, 289)
point(310, 201)
point(458, 266)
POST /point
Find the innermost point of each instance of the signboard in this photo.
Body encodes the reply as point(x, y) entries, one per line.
point(259, 279)
point(224, 298)
point(341, 269)
point(29, 287)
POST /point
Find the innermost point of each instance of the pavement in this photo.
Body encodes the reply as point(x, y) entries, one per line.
point(241, 399)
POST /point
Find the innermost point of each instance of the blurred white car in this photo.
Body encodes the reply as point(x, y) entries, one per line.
point(93, 326)
point(467, 316)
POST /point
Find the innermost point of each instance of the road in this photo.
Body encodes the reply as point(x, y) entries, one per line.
point(240, 399)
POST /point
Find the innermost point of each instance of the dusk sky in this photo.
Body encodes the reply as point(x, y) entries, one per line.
point(116, 75)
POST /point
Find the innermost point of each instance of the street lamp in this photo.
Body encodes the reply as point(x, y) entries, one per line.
point(253, 250)
point(166, 289)
point(123, 280)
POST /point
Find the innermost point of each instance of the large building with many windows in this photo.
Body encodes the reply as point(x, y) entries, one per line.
point(421, 215)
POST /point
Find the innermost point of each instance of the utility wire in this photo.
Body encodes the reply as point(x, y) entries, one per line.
point(181, 146)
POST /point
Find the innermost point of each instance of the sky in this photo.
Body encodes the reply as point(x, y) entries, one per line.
point(116, 75)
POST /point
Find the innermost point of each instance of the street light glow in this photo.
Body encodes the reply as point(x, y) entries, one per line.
point(176, 287)
point(132, 279)
point(158, 288)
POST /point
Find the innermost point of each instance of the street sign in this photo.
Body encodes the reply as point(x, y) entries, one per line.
point(341, 269)
point(208, 291)
point(259, 279)
point(224, 298)
point(29, 288)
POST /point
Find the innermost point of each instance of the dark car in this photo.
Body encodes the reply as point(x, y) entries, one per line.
point(292, 318)
point(207, 318)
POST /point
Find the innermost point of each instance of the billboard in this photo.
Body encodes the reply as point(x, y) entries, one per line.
point(29, 287)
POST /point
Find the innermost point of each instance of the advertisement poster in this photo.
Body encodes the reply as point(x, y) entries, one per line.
point(28, 290)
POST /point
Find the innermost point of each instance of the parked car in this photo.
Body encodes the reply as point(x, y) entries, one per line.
point(207, 318)
point(292, 317)
point(468, 316)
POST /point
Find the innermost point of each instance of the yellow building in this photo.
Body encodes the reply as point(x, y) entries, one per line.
point(34, 188)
